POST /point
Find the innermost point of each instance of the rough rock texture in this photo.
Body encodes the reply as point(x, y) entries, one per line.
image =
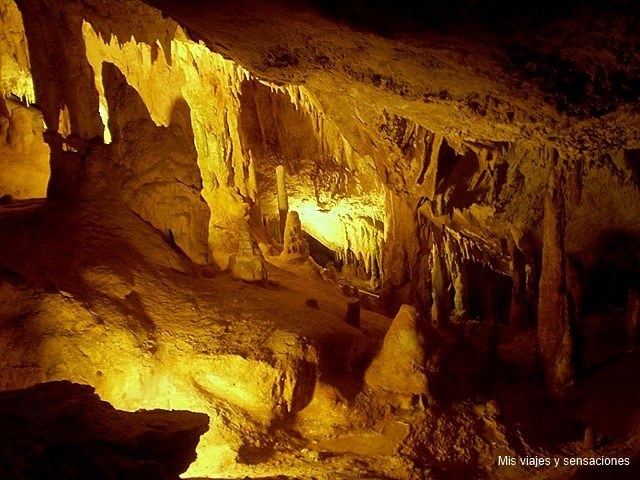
point(295, 246)
point(20, 134)
point(15, 75)
point(418, 161)
point(64, 430)
point(160, 179)
point(248, 263)
point(401, 364)
point(24, 157)
point(556, 315)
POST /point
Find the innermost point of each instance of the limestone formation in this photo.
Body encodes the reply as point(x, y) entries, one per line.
point(283, 200)
point(20, 134)
point(295, 247)
point(422, 163)
point(164, 189)
point(400, 366)
point(440, 306)
point(248, 263)
point(555, 312)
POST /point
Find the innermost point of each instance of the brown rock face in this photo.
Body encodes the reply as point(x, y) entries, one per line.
point(63, 430)
point(555, 311)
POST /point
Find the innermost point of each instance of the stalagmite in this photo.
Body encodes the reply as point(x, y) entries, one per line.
point(519, 311)
point(248, 263)
point(633, 318)
point(296, 247)
point(458, 279)
point(353, 312)
point(400, 365)
point(555, 340)
point(283, 200)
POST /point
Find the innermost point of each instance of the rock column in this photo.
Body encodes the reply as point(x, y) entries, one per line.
point(555, 340)
point(440, 307)
point(283, 199)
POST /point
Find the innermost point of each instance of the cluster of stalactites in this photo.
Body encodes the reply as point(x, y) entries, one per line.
point(362, 249)
point(15, 71)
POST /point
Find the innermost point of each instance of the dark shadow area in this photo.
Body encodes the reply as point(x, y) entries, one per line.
point(390, 18)
point(616, 268)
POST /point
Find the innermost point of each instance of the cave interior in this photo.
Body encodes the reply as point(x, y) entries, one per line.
point(310, 239)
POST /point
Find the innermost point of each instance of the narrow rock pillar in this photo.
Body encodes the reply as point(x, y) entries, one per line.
point(457, 273)
point(440, 296)
point(283, 199)
point(555, 340)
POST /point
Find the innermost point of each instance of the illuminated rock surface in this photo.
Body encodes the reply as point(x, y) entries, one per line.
point(226, 181)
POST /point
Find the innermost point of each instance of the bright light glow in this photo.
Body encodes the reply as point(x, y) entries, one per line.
point(104, 115)
point(15, 80)
point(348, 225)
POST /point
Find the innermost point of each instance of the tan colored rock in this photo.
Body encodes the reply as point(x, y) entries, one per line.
point(400, 365)
point(248, 264)
point(20, 135)
point(296, 247)
point(158, 167)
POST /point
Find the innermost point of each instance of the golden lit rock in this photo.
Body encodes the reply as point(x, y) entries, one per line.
point(356, 237)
